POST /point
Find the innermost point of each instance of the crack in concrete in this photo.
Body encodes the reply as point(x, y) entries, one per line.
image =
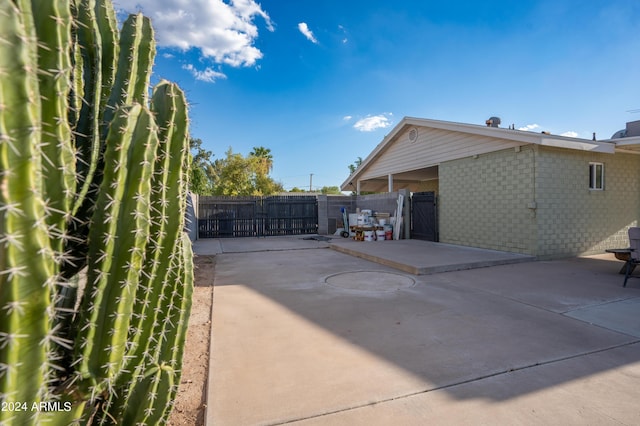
point(451, 385)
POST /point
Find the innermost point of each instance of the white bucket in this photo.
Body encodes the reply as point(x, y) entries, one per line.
point(388, 230)
point(380, 235)
point(382, 222)
point(368, 236)
point(362, 220)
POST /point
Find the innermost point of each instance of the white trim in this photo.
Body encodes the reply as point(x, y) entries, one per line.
point(630, 145)
point(509, 136)
point(593, 181)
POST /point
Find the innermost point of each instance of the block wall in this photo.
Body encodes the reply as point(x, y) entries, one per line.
point(329, 213)
point(384, 203)
point(486, 201)
point(574, 220)
point(330, 216)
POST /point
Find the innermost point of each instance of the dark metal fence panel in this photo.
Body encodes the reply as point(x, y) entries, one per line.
point(290, 215)
point(221, 217)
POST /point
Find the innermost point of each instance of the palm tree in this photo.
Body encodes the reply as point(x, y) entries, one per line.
point(355, 165)
point(264, 154)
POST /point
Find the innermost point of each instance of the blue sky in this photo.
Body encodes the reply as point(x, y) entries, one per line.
point(322, 82)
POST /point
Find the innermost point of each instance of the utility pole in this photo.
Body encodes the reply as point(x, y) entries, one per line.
point(310, 182)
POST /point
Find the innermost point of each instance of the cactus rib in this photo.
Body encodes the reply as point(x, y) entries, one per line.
point(26, 256)
point(117, 241)
point(87, 178)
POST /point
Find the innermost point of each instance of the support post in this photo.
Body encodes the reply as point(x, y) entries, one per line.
point(406, 212)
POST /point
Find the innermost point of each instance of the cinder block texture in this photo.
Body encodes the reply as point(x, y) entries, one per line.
point(484, 201)
point(572, 219)
point(536, 200)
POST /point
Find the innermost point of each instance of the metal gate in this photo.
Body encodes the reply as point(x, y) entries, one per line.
point(424, 216)
point(224, 216)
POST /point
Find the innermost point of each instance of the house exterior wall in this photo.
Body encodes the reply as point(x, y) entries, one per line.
point(536, 200)
point(574, 220)
point(431, 147)
point(426, 186)
point(485, 201)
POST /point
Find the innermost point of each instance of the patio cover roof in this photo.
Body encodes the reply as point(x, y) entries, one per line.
point(509, 136)
point(629, 144)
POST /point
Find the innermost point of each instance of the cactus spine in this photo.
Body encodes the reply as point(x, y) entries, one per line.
point(92, 173)
point(26, 260)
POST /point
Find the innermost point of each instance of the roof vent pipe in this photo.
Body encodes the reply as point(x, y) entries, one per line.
point(493, 122)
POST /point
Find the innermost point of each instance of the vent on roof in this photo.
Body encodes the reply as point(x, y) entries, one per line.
point(413, 134)
point(620, 134)
point(493, 122)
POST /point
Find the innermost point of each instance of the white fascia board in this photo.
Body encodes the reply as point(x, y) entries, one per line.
point(373, 154)
point(605, 146)
point(579, 145)
point(632, 142)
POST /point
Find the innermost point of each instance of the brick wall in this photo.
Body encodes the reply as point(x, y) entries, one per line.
point(572, 219)
point(485, 200)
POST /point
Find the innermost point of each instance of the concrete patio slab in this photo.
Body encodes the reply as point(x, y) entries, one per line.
point(287, 346)
point(207, 247)
point(605, 398)
point(213, 246)
point(622, 316)
point(425, 257)
point(559, 286)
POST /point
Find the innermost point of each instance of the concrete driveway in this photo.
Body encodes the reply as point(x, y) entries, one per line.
point(306, 335)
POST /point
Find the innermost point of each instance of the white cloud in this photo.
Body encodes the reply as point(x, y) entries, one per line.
point(529, 127)
point(347, 118)
point(208, 75)
point(223, 32)
point(372, 122)
point(570, 134)
point(304, 29)
point(345, 39)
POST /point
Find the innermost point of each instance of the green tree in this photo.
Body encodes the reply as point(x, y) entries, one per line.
point(262, 152)
point(239, 175)
point(355, 165)
point(201, 169)
point(296, 189)
point(265, 158)
point(330, 190)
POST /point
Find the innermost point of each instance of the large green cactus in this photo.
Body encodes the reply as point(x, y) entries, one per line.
point(93, 191)
point(27, 267)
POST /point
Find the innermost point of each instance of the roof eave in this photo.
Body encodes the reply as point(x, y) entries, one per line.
point(629, 144)
point(607, 146)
